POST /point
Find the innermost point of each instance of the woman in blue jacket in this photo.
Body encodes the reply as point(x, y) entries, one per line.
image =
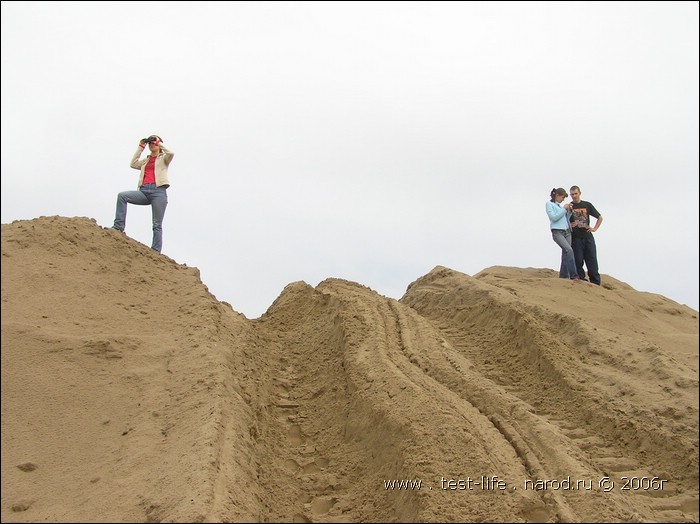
point(561, 232)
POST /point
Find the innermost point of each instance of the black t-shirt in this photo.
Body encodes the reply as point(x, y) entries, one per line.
point(581, 217)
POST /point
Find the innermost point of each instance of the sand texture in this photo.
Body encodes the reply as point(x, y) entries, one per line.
point(131, 394)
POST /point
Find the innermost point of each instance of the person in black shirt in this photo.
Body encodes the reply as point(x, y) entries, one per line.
point(582, 240)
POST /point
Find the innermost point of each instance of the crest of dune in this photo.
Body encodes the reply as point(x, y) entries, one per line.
point(131, 394)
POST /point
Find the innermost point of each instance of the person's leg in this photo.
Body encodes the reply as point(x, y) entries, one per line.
point(570, 259)
point(568, 267)
point(578, 244)
point(159, 201)
point(591, 256)
point(124, 198)
point(559, 240)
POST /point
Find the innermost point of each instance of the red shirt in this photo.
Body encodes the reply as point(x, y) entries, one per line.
point(149, 174)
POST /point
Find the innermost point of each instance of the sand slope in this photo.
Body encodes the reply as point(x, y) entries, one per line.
point(129, 393)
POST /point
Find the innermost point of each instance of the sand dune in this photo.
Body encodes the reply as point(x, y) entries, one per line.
point(130, 394)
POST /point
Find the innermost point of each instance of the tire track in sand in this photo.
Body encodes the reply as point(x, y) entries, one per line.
point(497, 338)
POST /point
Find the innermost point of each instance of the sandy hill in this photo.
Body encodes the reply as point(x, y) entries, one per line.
point(130, 394)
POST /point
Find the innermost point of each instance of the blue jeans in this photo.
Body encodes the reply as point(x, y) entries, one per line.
point(585, 251)
point(148, 194)
point(567, 269)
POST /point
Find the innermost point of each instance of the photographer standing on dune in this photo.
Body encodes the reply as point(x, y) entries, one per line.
point(152, 187)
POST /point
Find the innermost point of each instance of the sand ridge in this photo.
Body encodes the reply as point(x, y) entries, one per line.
point(130, 394)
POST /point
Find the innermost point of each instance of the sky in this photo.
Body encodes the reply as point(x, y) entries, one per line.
point(368, 141)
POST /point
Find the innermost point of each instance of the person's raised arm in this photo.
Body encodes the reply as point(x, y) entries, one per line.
point(135, 163)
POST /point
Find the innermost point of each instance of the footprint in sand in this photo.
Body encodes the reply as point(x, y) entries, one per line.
point(292, 465)
point(296, 437)
point(22, 505)
point(322, 505)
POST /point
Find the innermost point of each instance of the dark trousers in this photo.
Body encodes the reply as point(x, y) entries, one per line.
point(585, 251)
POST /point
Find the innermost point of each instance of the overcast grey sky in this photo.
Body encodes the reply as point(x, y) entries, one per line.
point(369, 141)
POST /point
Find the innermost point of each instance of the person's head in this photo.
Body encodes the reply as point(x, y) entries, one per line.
point(154, 142)
point(558, 194)
point(575, 194)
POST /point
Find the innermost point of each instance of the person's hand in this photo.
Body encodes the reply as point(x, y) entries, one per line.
point(142, 142)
